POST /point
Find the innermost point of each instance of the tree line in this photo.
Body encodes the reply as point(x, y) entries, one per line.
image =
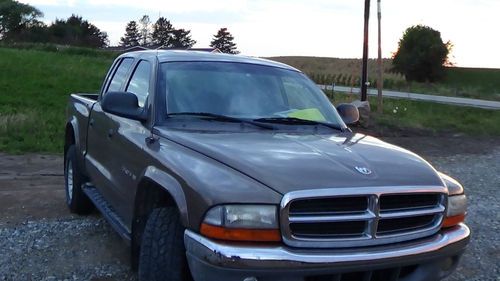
point(162, 34)
point(421, 56)
point(21, 22)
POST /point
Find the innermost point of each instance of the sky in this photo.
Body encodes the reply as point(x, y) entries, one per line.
point(322, 28)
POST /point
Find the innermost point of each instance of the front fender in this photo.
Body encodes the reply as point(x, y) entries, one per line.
point(170, 185)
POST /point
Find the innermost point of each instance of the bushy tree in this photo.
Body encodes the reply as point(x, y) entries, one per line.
point(422, 54)
point(132, 36)
point(36, 33)
point(181, 38)
point(16, 17)
point(162, 33)
point(223, 41)
point(77, 32)
point(19, 22)
point(144, 30)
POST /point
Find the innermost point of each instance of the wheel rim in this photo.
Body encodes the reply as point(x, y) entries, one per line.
point(69, 180)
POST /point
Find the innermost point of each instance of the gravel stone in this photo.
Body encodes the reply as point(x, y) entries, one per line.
point(480, 176)
point(72, 248)
point(50, 250)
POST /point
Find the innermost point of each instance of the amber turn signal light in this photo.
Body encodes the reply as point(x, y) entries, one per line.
point(452, 221)
point(240, 234)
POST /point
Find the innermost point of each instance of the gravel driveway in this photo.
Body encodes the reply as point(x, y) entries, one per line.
point(40, 240)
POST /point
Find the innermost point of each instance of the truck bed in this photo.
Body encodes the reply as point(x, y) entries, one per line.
point(78, 113)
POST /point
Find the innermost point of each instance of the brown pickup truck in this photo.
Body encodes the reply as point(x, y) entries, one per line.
point(221, 167)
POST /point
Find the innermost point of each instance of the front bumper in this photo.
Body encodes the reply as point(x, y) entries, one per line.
point(430, 258)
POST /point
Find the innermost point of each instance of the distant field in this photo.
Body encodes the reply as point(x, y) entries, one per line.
point(35, 85)
point(461, 82)
point(422, 118)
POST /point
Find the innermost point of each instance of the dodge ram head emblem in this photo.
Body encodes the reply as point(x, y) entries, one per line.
point(363, 170)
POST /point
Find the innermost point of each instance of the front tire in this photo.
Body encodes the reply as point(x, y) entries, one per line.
point(74, 179)
point(163, 255)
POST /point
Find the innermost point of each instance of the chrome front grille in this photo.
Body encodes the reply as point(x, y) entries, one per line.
point(352, 217)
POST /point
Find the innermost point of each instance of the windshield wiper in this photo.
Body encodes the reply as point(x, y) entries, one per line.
point(298, 121)
point(223, 118)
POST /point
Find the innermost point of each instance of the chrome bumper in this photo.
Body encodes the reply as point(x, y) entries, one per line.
point(204, 254)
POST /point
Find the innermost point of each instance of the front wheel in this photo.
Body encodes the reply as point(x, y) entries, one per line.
point(162, 255)
point(74, 179)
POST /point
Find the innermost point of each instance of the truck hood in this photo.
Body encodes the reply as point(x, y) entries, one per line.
point(287, 162)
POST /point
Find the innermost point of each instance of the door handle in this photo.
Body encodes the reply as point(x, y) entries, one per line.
point(111, 132)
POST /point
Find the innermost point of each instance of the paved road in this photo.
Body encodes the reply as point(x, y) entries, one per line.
point(495, 105)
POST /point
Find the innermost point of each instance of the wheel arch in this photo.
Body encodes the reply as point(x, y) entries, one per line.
point(156, 189)
point(71, 135)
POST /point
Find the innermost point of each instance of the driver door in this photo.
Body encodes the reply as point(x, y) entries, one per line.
point(100, 158)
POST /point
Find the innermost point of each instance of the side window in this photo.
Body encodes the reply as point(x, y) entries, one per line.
point(139, 83)
point(120, 75)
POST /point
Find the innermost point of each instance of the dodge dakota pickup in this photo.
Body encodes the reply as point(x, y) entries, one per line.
point(221, 167)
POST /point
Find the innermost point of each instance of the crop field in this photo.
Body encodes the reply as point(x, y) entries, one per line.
point(461, 82)
point(35, 85)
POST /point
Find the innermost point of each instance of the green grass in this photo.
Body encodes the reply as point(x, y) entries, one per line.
point(34, 87)
point(35, 84)
point(429, 118)
point(459, 82)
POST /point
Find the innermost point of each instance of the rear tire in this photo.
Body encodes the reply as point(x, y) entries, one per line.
point(74, 179)
point(162, 255)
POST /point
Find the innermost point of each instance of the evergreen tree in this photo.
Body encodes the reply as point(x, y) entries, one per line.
point(144, 30)
point(181, 38)
point(162, 33)
point(223, 41)
point(132, 36)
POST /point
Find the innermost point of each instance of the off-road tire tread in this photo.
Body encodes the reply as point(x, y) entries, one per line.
point(162, 254)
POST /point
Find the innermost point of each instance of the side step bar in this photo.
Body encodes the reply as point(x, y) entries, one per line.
point(107, 211)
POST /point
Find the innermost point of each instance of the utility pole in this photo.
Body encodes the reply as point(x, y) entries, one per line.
point(380, 82)
point(364, 74)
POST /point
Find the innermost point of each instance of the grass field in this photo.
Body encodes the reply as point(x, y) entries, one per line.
point(460, 82)
point(35, 85)
point(415, 117)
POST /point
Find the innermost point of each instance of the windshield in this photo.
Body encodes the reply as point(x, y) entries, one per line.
point(245, 91)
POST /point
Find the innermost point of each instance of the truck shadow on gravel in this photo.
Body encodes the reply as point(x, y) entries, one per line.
point(41, 240)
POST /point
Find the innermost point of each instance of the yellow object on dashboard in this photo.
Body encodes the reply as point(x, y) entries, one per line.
point(312, 114)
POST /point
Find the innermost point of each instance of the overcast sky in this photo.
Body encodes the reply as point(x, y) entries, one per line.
point(330, 28)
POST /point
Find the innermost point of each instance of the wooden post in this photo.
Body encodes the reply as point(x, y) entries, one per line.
point(380, 82)
point(364, 74)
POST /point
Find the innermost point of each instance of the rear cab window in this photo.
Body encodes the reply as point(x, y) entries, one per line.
point(120, 75)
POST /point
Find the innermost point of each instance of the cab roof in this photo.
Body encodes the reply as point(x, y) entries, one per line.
point(181, 55)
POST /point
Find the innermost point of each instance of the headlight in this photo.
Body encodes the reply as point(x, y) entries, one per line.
point(457, 202)
point(457, 205)
point(242, 223)
point(454, 187)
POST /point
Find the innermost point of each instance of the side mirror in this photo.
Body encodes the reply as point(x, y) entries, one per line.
point(349, 113)
point(123, 104)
